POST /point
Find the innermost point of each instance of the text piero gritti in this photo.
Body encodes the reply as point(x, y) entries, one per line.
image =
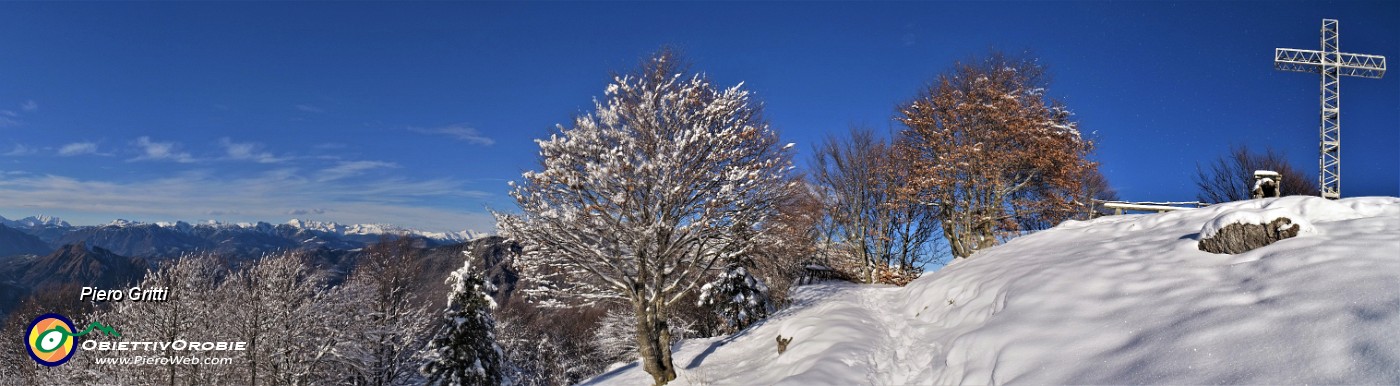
point(135, 294)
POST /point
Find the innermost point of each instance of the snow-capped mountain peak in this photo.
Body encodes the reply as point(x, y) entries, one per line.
point(362, 233)
point(178, 225)
point(379, 229)
point(40, 221)
point(124, 223)
point(329, 227)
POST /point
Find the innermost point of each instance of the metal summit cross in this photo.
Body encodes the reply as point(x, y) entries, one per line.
point(1332, 64)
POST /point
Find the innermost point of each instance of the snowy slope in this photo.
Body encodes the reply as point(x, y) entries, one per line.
point(1117, 300)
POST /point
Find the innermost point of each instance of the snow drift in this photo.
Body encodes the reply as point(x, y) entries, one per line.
point(1116, 300)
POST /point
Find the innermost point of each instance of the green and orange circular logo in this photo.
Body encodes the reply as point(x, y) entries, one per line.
point(51, 340)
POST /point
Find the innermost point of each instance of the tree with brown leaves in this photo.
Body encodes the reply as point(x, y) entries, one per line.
point(992, 153)
point(877, 232)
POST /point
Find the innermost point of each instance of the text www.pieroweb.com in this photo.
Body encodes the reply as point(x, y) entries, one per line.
point(163, 360)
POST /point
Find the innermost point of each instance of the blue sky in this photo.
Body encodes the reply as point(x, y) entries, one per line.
point(417, 114)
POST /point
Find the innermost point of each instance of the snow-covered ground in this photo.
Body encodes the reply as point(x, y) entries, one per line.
point(1117, 300)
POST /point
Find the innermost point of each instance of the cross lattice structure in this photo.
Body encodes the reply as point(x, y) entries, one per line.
point(1332, 64)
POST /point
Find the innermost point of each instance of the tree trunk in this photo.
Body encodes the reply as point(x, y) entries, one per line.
point(985, 232)
point(959, 239)
point(654, 343)
point(977, 232)
point(956, 243)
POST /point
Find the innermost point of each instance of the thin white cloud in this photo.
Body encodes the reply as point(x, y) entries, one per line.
point(159, 151)
point(303, 212)
point(248, 151)
point(77, 148)
point(352, 168)
point(310, 109)
point(461, 132)
point(19, 150)
point(434, 205)
point(10, 118)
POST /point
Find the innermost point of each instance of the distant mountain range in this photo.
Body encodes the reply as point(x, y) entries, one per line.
point(66, 269)
point(16, 242)
point(34, 221)
point(43, 254)
point(164, 240)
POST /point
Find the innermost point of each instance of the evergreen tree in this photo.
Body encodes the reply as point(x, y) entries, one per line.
point(464, 351)
point(739, 298)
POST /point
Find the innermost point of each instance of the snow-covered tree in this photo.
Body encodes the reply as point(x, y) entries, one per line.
point(389, 324)
point(641, 197)
point(285, 315)
point(552, 346)
point(992, 153)
point(615, 338)
point(192, 308)
point(737, 297)
point(464, 350)
point(297, 331)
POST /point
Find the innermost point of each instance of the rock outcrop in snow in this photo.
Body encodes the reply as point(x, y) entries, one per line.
point(1116, 300)
point(1244, 237)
